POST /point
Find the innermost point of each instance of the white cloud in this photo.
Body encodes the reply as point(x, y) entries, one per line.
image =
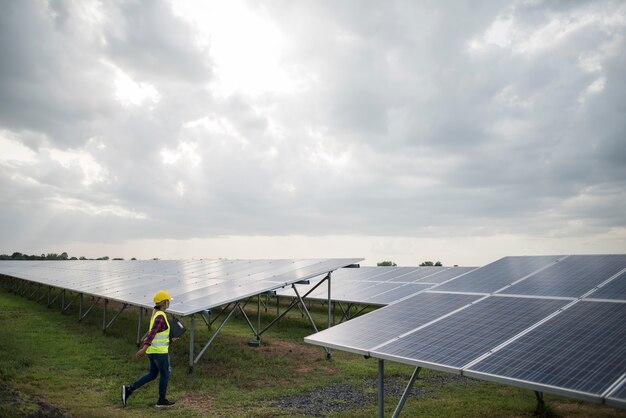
point(92, 172)
point(13, 151)
point(185, 152)
point(88, 208)
point(134, 93)
point(245, 46)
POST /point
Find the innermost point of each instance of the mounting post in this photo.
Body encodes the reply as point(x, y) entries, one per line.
point(139, 326)
point(104, 315)
point(381, 388)
point(540, 403)
point(191, 332)
point(258, 311)
point(406, 393)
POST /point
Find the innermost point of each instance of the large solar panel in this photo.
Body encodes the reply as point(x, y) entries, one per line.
point(495, 276)
point(195, 285)
point(379, 285)
point(582, 349)
point(361, 334)
point(572, 276)
point(460, 338)
point(549, 323)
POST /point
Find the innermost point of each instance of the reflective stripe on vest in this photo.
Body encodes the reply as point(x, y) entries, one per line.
point(161, 341)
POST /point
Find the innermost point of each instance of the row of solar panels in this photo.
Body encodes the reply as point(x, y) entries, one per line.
point(555, 324)
point(196, 285)
point(378, 285)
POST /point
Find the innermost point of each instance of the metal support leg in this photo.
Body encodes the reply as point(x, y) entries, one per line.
point(540, 403)
point(258, 318)
point(381, 388)
point(217, 331)
point(71, 302)
point(62, 299)
point(191, 332)
point(294, 302)
point(50, 302)
point(104, 315)
point(330, 315)
point(89, 309)
point(80, 307)
point(405, 395)
point(330, 311)
point(115, 317)
point(139, 321)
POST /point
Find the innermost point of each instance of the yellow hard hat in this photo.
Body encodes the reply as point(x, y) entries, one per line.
point(160, 296)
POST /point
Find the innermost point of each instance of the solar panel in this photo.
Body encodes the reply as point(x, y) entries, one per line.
point(615, 289)
point(196, 285)
point(441, 275)
point(582, 349)
point(548, 323)
point(397, 293)
point(363, 333)
point(496, 275)
point(419, 273)
point(460, 338)
point(570, 277)
point(378, 285)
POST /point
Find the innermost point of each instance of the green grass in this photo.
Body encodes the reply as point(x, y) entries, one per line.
point(51, 364)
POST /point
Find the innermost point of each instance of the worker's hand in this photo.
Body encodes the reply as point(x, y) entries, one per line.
point(142, 352)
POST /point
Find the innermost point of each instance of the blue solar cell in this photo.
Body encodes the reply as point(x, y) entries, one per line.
point(446, 274)
point(583, 349)
point(419, 273)
point(397, 293)
point(370, 330)
point(615, 289)
point(460, 338)
point(496, 275)
point(570, 277)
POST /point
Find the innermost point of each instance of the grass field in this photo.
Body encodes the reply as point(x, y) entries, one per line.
point(51, 365)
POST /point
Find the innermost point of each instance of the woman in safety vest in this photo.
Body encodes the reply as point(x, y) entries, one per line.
point(156, 345)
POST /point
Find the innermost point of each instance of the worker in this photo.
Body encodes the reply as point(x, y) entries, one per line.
point(156, 345)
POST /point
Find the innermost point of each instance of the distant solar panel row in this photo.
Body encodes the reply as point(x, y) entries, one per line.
point(379, 285)
point(196, 285)
point(553, 324)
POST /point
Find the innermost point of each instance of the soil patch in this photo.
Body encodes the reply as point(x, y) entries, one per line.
point(18, 404)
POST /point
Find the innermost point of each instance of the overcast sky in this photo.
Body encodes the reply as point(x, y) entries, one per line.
point(396, 130)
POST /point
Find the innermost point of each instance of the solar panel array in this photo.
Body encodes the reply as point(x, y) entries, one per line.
point(195, 285)
point(379, 285)
point(551, 323)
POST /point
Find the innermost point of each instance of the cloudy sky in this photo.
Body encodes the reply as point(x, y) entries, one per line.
point(396, 130)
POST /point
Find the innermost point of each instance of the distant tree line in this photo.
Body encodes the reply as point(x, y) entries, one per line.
point(50, 256)
point(423, 264)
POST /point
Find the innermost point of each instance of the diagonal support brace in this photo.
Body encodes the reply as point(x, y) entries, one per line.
point(217, 331)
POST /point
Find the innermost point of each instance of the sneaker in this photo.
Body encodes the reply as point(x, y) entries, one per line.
point(125, 394)
point(164, 403)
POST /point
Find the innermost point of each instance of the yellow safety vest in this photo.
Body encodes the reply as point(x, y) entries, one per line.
point(161, 341)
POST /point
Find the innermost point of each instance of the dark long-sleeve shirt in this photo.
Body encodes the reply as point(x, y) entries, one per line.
point(159, 325)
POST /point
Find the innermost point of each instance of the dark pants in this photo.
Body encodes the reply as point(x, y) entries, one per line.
point(159, 363)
